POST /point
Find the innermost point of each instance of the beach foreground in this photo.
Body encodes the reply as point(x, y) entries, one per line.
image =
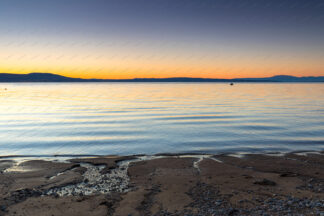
point(252, 184)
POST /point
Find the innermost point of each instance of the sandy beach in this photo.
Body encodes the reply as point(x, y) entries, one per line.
point(250, 184)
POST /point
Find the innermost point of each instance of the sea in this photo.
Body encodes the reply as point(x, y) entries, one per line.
point(151, 118)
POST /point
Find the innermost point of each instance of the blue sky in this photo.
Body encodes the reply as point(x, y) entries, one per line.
point(225, 32)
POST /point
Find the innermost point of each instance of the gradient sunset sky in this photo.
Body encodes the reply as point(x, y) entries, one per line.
point(162, 38)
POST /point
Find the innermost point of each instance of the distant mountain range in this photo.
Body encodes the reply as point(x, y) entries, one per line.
point(48, 77)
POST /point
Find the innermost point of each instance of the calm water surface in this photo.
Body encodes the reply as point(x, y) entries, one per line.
point(136, 118)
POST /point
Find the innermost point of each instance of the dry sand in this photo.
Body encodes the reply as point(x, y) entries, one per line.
point(255, 184)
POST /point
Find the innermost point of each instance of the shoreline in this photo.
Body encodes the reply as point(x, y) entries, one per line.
point(163, 154)
point(164, 184)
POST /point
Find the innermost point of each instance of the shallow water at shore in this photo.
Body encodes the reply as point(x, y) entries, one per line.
point(149, 118)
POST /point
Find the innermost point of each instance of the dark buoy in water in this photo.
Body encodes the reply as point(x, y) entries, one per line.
point(231, 83)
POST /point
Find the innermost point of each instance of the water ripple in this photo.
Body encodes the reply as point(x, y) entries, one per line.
point(152, 118)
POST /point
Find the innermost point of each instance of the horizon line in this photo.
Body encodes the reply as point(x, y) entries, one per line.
point(160, 78)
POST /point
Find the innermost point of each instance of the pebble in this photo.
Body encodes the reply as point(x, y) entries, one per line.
point(94, 182)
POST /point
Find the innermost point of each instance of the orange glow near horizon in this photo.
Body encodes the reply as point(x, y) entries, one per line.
point(122, 62)
point(130, 70)
point(128, 74)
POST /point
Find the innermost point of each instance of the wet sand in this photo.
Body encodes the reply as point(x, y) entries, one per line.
point(251, 184)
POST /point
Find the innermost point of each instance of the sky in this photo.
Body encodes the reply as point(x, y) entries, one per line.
point(162, 38)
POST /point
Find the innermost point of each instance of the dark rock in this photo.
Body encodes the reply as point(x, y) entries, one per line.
point(266, 182)
point(232, 211)
point(3, 208)
point(288, 174)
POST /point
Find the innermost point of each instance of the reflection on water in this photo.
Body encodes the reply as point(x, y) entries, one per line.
point(136, 118)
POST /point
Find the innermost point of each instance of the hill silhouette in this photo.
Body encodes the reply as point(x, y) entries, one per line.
point(49, 77)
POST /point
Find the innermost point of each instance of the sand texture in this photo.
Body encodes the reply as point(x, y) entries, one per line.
point(255, 184)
